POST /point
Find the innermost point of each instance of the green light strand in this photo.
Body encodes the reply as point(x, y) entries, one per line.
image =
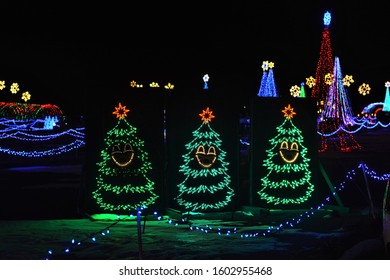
point(204, 188)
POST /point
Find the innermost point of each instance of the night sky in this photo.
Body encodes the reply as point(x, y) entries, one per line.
point(70, 54)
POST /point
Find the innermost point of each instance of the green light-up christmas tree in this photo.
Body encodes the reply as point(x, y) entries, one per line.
point(206, 183)
point(288, 178)
point(122, 182)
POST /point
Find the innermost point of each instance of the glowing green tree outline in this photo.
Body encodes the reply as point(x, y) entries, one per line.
point(288, 132)
point(199, 181)
point(134, 182)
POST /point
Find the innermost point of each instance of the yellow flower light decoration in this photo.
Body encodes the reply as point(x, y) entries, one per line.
point(169, 86)
point(14, 88)
point(271, 64)
point(329, 79)
point(364, 89)
point(2, 85)
point(154, 85)
point(134, 84)
point(295, 91)
point(310, 82)
point(26, 96)
point(347, 80)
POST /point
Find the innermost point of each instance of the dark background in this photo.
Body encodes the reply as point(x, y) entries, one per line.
point(76, 53)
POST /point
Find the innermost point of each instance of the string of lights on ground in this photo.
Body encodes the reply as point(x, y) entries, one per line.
point(265, 231)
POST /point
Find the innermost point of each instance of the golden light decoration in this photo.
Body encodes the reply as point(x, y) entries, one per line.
point(120, 111)
point(348, 80)
point(133, 83)
point(295, 91)
point(2, 85)
point(387, 84)
point(154, 84)
point(288, 112)
point(364, 89)
point(26, 96)
point(206, 115)
point(122, 156)
point(271, 64)
point(311, 82)
point(14, 88)
point(205, 159)
point(265, 65)
point(329, 79)
point(169, 86)
point(289, 154)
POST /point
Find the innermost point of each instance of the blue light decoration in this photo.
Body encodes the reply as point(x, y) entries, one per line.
point(14, 133)
point(206, 78)
point(267, 83)
point(207, 184)
point(327, 19)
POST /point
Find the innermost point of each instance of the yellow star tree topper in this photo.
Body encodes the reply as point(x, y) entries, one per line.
point(206, 115)
point(121, 111)
point(288, 112)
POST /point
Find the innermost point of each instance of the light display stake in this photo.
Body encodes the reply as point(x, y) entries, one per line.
point(267, 83)
point(207, 184)
point(206, 78)
point(288, 179)
point(122, 181)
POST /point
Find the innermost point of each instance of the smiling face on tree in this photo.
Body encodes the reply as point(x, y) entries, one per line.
point(122, 155)
point(205, 159)
point(289, 151)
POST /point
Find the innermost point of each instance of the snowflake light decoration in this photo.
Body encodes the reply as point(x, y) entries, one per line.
point(14, 88)
point(364, 89)
point(387, 84)
point(310, 82)
point(295, 91)
point(271, 65)
point(265, 65)
point(26, 96)
point(327, 18)
point(347, 80)
point(169, 86)
point(329, 79)
point(2, 85)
